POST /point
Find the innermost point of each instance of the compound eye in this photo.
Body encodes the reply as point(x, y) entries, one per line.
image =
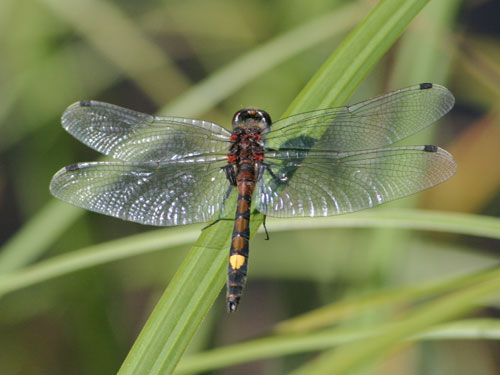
point(237, 116)
point(265, 117)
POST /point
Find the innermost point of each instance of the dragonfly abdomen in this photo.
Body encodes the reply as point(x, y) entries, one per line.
point(238, 254)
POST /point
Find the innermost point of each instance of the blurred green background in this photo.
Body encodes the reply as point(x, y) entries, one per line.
point(206, 59)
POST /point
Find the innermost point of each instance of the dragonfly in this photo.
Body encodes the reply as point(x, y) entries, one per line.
point(174, 171)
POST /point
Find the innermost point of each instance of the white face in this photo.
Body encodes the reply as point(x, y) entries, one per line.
point(252, 118)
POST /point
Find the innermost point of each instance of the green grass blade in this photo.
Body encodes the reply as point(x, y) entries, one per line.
point(137, 58)
point(164, 338)
point(96, 255)
point(337, 79)
point(450, 222)
point(352, 358)
point(280, 345)
point(419, 57)
point(183, 306)
point(352, 307)
point(220, 84)
point(162, 239)
point(467, 329)
point(36, 236)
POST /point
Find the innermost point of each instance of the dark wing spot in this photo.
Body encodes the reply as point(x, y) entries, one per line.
point(424, 86)
point(73, 167)
point(85, 103)
point(430, 148)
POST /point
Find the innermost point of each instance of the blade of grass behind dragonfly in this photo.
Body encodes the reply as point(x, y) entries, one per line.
point(385, 247)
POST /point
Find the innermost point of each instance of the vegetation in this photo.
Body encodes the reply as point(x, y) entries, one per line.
point(408, 288)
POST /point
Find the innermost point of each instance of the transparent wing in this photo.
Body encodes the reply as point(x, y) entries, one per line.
point(328, 183)
point(163, 194)
point(133, 136)
point(374, 123)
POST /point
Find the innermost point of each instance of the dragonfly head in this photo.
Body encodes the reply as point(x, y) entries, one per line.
point(252, 118)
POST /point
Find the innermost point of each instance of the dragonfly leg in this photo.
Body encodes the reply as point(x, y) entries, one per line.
point(222, 206)
point(230, 172)
point(262, 167)
point(265, 228)
point(214, 222)
point(266, 167)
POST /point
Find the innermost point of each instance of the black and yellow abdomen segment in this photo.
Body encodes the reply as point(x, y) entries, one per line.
point(238, 254)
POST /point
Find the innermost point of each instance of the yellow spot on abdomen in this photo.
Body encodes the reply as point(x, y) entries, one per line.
point(236, 261)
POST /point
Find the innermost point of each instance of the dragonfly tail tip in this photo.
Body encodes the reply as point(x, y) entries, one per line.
point(232, 304)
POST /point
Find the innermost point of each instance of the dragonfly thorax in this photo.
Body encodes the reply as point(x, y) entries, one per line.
point(252, 118)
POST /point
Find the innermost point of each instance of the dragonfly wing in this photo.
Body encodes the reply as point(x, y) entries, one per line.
point(163, 194)
point(133, 136)
point(374, 123)
point(327, 183)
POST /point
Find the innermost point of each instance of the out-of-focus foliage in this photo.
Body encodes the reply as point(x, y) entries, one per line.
point(84, 304)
